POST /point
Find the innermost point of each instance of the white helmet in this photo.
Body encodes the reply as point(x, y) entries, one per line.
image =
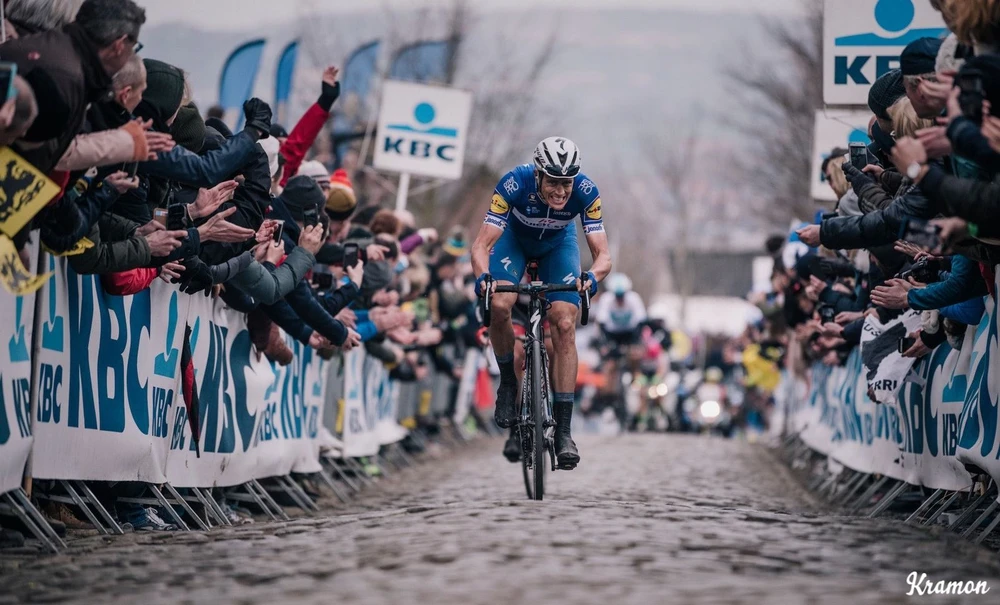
point(558, 157)
point(619, 284)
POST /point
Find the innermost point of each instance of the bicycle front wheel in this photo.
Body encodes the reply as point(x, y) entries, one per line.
point(538, 413)
point(529, 480)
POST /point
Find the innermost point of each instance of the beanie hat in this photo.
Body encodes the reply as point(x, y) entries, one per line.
point(220, 127)
point(340, 201)
point(920, 56)
point(163, 94)
point(315, 170)
point(277, 130)
point(300, 194)
point(188, 129)
point(271, 147)
point(213, 140)
point(884, 92)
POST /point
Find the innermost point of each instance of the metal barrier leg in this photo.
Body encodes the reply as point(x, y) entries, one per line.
point(969, 511)
point(865, 497)
point(850, 489)
point(187, 507)
point(888, 499)
point(359, 471)
point(256, 498)
point(37, 516)
point(295, 491)
point(406, 458)
point(989, 529)
point(39, 533)
point(941, 509)
point(170, 509)
point(206, 495)
point(926, 504)
point(83, 506)
point(343, 476)
point(266, 497)
point(210, 512)
point(330, 483)
point(103, 512)
point(852, 493)
point(983, 517)
point(382, 464)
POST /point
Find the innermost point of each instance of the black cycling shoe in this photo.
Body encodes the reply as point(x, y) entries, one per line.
point(567, 456)
point(512, 448)
point(506, 394)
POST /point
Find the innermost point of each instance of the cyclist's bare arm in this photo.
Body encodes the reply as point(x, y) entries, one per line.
point(601, 253)
point(487, 238)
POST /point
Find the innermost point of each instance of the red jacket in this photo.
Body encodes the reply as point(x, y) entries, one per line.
point(126, 283)
point(302, 137)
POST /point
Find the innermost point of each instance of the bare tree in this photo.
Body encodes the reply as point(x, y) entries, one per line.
point(782, 104)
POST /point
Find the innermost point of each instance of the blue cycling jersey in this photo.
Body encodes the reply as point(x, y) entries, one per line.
point(516, 202)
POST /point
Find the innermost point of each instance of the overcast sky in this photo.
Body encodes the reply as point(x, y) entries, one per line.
point(242, 14)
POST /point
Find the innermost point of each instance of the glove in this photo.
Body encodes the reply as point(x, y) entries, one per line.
point(329, 95)
point(593, 282)
point(258, 116)
point(855, 177)
point(480, 282)
point(196, 277)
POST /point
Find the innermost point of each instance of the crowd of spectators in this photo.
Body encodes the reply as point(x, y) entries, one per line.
point(914, 227)
point(149, 189)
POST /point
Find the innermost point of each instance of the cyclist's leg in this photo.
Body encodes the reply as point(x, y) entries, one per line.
point(512, 447)
point(562, 265)
point(506, 265)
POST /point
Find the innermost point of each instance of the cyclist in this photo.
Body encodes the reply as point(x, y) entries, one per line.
point(620, 311)
point(531, 217)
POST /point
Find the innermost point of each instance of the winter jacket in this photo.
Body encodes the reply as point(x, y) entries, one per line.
point(268, 284)
point(876, 228)
point(305, 304)
point(105, 148)
point(126, 283)
point(66, 74)
point(288, 320)
point(964, 282)
point(117, 247)
point(968, 141)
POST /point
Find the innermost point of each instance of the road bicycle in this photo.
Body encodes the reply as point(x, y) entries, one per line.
point(535, 426)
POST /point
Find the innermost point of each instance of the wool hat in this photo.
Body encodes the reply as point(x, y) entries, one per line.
point(277, 130)
point(300, 194)
point(163, 94)
point(340, 200)
point(220, 127)
point(188, 129)
point(315, 170)
point(884, 92)
point(920, 56)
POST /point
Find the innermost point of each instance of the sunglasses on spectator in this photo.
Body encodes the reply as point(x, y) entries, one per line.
point(136, 45)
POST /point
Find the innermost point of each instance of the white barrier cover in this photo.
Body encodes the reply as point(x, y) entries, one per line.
point(886, 366)
point(108, 379)
point(360, 437)
point(16, 327)
point(257, 419)
point(979, 443)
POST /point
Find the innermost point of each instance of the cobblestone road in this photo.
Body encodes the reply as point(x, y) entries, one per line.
point(644, 519)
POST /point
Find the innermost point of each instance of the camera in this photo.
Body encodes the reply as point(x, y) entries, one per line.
point(859, 155)
point(310, 217)
point(924, 271)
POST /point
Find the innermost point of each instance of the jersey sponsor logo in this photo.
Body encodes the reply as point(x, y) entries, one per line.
point(595, 228)
point(594, 210)
point(498, 205)
point(586, 186)
point(541, 222)
point(536, 318)
point(499, 223)
point(506, 262)
point(569, 279)
point(510, 185)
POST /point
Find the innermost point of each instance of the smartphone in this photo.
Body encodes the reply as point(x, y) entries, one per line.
point(350, 255)
point(310, 217)
point(827, 313)
point(323, 281)
point(7, 73)
point(859, 155)
point(160, 216)
point(905, 344)
point(970, 83)
point(131, 168)
point(922, 234)
point(278, 231)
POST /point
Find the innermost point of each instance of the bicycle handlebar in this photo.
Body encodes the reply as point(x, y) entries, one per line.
point(534, 289)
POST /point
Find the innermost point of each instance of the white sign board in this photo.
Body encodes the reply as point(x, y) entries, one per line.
point(834, 129)
point(862, 39)
point(422, 130)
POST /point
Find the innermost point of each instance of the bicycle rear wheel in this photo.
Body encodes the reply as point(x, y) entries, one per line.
point(538, 413)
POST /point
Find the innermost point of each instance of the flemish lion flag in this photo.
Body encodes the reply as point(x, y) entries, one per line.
point(16, 279)
point(24, 191)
